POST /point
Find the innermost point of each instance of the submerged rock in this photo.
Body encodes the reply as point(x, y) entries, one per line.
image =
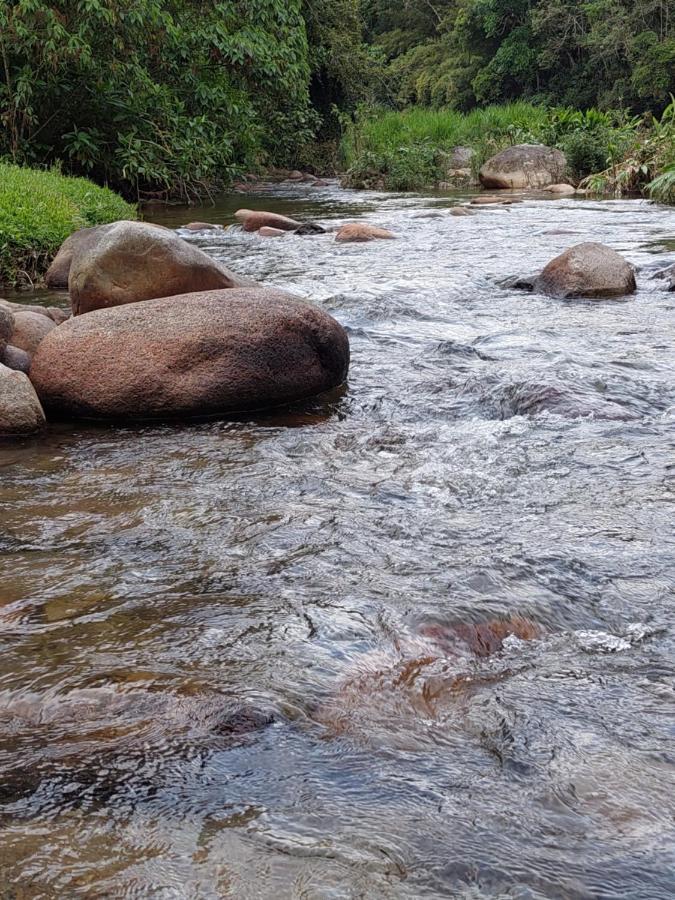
point(310, 228)
point(254, 220)
point(460, 211)
point(524, 166)
point(20, 411)
point(491, 199)
point(202, 226)
point(520, 282)
point(587, 270)
point(208, 353)
point(133, 261)
point(358, 232)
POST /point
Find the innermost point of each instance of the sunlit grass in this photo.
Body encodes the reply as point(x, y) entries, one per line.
point(39, 209)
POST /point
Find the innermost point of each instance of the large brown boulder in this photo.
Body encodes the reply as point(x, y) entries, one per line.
point(359, 232)
point(134, 261)
point(197, 354)
point(524, 166)
point(82, 240)
point(587, 270)
point(20, 410)
point(254, 220)
point(30, 329)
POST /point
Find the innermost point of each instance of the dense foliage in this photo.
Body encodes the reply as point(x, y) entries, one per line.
point(580, 53)
point(175, 97)
point(153, 94)
point(38, 210)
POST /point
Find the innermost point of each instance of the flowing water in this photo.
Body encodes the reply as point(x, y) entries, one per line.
point(221, 673)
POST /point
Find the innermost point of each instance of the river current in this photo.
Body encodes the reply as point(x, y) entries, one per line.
point(215, 675)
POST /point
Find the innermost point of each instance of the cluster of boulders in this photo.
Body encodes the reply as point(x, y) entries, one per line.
point(160, 329)
point(269, 224)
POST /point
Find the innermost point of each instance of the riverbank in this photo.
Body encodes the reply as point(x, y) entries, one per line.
point(39, 209)
point(608, 152)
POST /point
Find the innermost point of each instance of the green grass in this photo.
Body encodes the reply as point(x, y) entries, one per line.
point(408, 150)
point(39, 209)
point(407, 147)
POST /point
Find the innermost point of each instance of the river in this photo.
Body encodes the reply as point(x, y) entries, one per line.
point(204, 626)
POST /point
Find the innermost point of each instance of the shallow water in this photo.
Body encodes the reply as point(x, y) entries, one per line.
point(209, 680)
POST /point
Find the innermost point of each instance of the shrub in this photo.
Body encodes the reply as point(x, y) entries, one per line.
point(39, 209)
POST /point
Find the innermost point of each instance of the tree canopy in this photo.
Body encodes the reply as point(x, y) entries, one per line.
point(179, 95)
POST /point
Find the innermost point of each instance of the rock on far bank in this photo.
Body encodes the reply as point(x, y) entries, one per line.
point(360, 232)
point(134, 261)
point(20, 411)
point(524, 166)
point(587, 270)
point(208, 353)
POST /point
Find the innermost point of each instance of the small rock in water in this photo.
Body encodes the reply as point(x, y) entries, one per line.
point(519, 282)
point(244, 720)
point(561, 189)
point(254, 220)
point(202, 226)
point(490, 199)
point(310, 228)
point(587, 270)
point(267, 232)
point(359, 232)
point(460, 211)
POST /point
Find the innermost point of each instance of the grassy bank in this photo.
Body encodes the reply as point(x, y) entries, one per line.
point(38, 210)
point(616, 152)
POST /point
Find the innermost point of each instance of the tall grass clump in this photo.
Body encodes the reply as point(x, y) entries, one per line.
point(39, 209)
point(405, 148)
point(608, 151)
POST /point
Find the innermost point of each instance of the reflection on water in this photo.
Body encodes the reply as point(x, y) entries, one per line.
point(221, 670)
